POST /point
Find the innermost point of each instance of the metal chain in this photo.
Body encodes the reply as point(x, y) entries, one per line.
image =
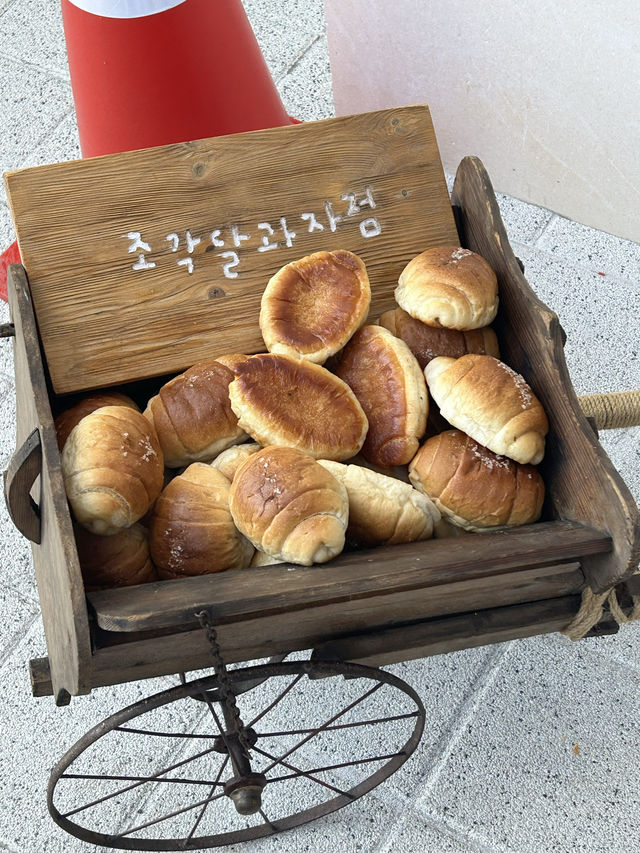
point(232, 717)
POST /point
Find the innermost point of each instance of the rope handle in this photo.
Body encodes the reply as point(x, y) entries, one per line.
point(616, 410)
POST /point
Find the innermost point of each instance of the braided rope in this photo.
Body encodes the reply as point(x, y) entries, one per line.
point(616, 410)
point(592, 609)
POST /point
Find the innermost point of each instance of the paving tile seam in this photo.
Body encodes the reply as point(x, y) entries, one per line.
point(17, 638)
point(458, 832)
point(612, 658)
point(43, 138)
point(298, 59)
point(546, 226)
point(43, 69)
point(7, 7)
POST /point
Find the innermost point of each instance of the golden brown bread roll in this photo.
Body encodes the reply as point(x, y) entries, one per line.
point(113, 469)
point(449, 286)
point(490, 402)
point(66, 420)
point(473, 487)
point(427, 342)
point(191, 529)
point(387, 380)
point(112, 561)
point(311, 307)
point(383, 510)
point(232, 458)
point(232, 360)
point(289, 506)
point(292, 402)
point(192, 415)
point(262, 559)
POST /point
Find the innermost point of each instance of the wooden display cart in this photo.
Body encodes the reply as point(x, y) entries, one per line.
point(138, 265)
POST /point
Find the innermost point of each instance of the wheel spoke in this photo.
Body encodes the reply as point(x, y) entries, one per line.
point(131, 730)
point(353, 763)
point(277, 700)
point(167, 816)
point(341, 725)
point(105, 778)
point(209, 800)
point(299, 772)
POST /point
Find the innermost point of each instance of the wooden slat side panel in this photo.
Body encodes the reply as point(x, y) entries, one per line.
point(487, 560)
point(60, 588)
point(581, 481)
point(453, 633)
point(146, 262)
point(269, 635)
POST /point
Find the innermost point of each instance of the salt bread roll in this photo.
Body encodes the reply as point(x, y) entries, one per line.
point(490, 402)
point(192, 415)
point(113, 469)
point(66, 420)
point(232, 458)
point(449, 286)
point(113, 561)
point(289, 506)
point(474, 488)
point(428, 342)
point(387, 380)
point(232, 360)
point(383, 510)
point(292, 402)
point(191, 528)
point(311, 307)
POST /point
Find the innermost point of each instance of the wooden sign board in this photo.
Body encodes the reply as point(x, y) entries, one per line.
point(143, 263)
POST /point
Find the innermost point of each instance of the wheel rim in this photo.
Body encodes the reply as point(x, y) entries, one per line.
point(182, 805)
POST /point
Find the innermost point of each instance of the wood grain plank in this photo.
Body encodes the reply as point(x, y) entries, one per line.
point(581, 482)
point(373, 184)
point(60, 587)
point(357, 576)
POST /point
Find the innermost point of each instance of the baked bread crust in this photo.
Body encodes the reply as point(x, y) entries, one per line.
point(289, 506)
point(113, 561)
point(66, 420)
point(311, 307)
point(387, 380)
point(382, 509)
point(292, 402)
point(191, 528)
point(232, 458)
point(428, 342)
point(112, 468)
point(192, 415)
point(473, 487)
point(449, 286)
point(485, 398)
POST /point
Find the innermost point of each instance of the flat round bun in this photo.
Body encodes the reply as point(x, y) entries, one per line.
point(66, 420)
point(449, 286)
point(112, 468)
point(191, 528)
point(311, 307)
point(387, 380)
point(292, 402)
point(428, 342)
point(192, 415)
point(383, 510)
point(474, 488)
point(232, 458)
point(289, 506)
point(232, 360)
point(490, 402)
point(112, 561)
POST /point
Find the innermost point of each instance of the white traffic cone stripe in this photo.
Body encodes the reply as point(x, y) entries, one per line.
point(125, 8)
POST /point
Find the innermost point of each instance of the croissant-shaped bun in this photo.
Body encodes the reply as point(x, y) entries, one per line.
point(289, 506)
point(113, 469)
point(490, 402)
point(449, 286)
point(192, 415)
point(427, 342)
point(66, 420)
point(389, 385)
point(383, 510)
point(311, 307)
point(191, 528)
point(232, 458)
point(111, 561)
point(474, 488)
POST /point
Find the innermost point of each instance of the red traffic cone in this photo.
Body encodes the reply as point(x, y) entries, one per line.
point(151, 72)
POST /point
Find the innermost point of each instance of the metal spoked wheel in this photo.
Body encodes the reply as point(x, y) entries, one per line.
point(168, 773)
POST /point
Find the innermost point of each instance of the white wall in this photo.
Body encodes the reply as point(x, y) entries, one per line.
point(546, 93)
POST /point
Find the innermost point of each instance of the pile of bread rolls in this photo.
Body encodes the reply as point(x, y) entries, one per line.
point(323, 441)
